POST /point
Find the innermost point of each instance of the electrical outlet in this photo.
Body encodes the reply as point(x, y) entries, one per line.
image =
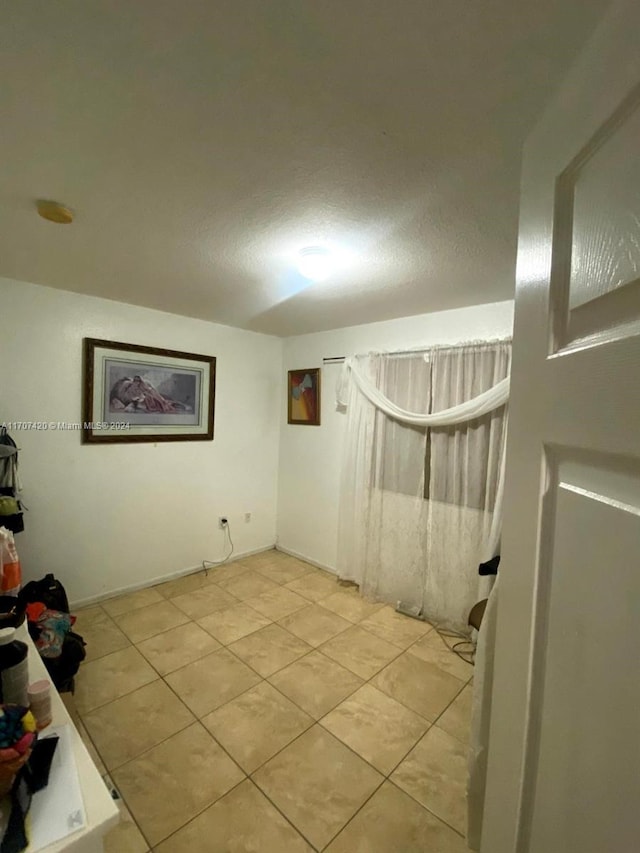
point(223, 521)
point(247, 517)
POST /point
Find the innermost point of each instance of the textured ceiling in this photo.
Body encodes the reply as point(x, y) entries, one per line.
point(202, 143)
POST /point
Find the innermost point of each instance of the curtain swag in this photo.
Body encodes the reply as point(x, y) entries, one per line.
point(484, 403)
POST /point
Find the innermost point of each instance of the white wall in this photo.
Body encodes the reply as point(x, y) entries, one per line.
point(104, 518)
point(308, 495)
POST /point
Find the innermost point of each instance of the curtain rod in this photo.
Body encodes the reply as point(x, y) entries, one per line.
point(339, 359)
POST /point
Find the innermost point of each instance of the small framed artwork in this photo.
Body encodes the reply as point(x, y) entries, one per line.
point(303, 397)
point(135, 393)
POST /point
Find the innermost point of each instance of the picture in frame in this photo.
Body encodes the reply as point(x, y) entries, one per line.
point(134, 393)
point(303, 396)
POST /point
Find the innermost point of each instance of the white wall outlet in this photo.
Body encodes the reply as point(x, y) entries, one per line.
point(223, 522)
point(247, 517)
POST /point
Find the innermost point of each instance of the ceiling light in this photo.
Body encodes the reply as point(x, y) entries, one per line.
point(54, 211)
point(315, 263)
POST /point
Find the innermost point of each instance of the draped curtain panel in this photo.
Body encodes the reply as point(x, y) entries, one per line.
point(420, 500)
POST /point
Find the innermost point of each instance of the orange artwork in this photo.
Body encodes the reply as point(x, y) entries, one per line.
point(304, 397)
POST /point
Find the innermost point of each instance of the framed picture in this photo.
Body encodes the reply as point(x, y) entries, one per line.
point(135, 393)
point(303, 397)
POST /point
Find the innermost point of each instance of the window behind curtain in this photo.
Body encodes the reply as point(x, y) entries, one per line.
point(456, 465)
point(406, 380)
point(465, 459)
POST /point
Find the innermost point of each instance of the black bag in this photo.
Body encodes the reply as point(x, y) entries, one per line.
point(49, 591)
point(52, 594)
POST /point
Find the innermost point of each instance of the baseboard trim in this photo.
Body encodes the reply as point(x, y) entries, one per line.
point(306, 559)
point(123, 590)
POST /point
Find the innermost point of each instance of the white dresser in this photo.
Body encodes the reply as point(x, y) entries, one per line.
point(100, 809)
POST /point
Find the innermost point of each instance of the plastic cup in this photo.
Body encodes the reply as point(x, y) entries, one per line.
point(39, 694)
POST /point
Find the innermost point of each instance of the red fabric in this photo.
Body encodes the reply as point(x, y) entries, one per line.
point(35, 610)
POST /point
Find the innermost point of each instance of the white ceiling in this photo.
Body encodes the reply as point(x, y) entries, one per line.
point(202, 144)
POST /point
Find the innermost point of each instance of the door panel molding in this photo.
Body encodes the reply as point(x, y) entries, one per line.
point(568, 322)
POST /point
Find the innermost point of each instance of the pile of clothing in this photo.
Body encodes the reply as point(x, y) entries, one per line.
point(50, 624)
point(48, 628)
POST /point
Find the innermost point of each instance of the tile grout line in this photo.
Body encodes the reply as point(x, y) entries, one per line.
point(199, 720)
point(357, 811)
point(164, 740)
point(248, 776)
point(265, 679)
point(113, 787)
point(128, 693)
point(195, 720)
point(271, 757)
point(237, 785)
point(121, 797)
point(386, 777)
point(195, 660)
point(111, 770)
point(426, 808)
point(280, 812)
point(197, 815)
point(293, 701)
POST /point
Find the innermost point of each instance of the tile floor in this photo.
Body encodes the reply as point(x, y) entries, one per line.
point(265, 708)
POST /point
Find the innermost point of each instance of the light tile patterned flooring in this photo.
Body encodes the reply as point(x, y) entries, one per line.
point(265, 708)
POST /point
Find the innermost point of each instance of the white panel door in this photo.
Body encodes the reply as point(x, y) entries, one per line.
point(564, 750)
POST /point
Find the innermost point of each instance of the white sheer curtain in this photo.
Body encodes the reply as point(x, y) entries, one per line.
point(417, 503)
point(382, 506)
point(465, 467)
